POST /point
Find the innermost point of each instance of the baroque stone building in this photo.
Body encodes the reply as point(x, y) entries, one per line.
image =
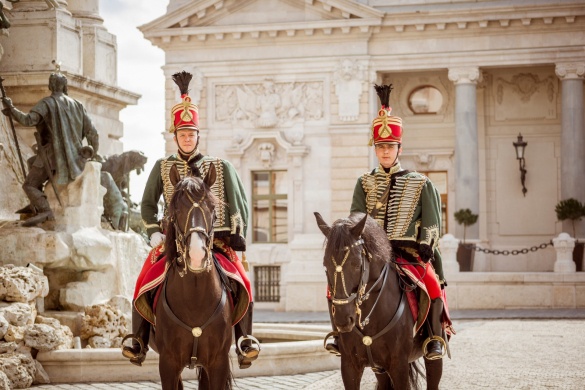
point(284, 89)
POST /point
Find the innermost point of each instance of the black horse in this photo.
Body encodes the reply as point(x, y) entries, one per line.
point(193, 314)
point(369, 308)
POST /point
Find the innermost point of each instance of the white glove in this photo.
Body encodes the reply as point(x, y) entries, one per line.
point(156, 239)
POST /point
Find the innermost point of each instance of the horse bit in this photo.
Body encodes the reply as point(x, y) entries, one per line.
point(183, 235)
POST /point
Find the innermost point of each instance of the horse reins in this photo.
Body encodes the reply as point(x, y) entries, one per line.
point(183, 235)
point(182, 250)
point(360, 296)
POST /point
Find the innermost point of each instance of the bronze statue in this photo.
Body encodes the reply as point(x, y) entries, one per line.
point(62, 124)
point(115, 177)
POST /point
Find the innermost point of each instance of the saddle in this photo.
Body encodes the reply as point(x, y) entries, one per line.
point(419, 300)
point(149, 290)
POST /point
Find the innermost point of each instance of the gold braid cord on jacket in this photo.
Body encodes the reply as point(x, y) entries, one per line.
point(403, 210)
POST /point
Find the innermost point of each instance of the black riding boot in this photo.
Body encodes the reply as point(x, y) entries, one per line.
point(332, 346)
point(247, 346)
point(434, 346)
point(140, 333)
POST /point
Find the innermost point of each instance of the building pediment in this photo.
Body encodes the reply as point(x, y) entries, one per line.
point(274, 18)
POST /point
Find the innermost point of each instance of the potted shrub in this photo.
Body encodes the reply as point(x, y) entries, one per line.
point(465, 252)
point(573, 210)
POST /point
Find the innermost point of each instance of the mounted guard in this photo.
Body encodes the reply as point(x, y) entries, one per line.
point(231, 216)
point(407, 206)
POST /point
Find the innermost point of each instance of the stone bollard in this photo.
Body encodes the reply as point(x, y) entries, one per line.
point(448, 245)
point(564, 245)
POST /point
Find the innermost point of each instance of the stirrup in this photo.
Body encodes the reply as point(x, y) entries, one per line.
point(426, 344)
point(253, 354)
point(127, 352)
point(332, 349)
point(245, 359)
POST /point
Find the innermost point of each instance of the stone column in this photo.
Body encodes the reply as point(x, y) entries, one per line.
point(466, 143)
point(572, 131)
point(564, 245)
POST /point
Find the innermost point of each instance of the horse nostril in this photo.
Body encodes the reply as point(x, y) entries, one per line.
point(333, 310)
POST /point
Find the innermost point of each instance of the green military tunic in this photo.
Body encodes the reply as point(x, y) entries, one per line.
point(412, 215)
point(231, 213)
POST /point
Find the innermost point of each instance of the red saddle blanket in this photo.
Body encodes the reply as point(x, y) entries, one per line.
point(154, 273)
point(419, 300)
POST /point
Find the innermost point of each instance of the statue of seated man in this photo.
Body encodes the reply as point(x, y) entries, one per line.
point(62, 124)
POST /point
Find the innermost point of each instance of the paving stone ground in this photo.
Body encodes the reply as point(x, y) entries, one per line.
point(526, 354)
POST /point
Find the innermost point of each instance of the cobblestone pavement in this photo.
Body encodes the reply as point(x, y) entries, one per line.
point(487, 354)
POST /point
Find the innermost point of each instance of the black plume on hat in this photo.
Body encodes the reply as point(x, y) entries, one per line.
point(182, 79)
point(383, 92)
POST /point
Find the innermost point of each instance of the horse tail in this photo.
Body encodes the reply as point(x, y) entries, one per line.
point(414, 371)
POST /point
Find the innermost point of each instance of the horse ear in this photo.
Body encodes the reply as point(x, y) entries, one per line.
point(357, 230)
point(174, 175)
point(211, 176)
point(322, 224)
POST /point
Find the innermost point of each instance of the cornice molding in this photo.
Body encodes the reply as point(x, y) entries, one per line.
point(351, 16)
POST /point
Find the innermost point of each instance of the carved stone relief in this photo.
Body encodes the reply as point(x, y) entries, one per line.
point(266, 152)
point(269, 104)
point(525, 96)
point(348, 80)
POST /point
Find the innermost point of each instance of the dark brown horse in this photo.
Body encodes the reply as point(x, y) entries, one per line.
point(193, 314)
point(369, 308)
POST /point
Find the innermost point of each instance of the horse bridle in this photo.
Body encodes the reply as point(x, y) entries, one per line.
point(360, 296)
point(182, 237)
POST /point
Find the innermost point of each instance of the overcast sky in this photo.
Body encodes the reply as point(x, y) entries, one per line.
point(139, 71)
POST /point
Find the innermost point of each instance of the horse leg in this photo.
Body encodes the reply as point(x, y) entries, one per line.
point(170, 373)
point(351, 374)
point(384, 382)
point(222, 376)
point(398, 372)
point(434, 369)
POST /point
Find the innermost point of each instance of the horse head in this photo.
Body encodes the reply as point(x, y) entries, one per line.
point(356, 253)
point(190, 221)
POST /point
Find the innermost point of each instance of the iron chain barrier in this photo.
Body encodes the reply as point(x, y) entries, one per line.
point(508, 252)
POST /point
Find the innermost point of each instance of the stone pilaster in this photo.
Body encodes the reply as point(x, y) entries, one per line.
point(466, 142)
point(572, 131)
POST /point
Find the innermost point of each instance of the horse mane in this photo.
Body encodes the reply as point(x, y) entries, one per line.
point(197, 189)
point(375, 239)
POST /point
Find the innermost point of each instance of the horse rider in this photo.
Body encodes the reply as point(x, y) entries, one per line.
point(230, 224)
point(62, 123)
point(407, 206)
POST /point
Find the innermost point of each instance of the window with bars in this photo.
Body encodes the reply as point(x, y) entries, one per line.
point(269, 207)
point(267, 283)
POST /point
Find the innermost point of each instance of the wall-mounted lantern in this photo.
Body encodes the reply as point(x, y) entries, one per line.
point(520, 145)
